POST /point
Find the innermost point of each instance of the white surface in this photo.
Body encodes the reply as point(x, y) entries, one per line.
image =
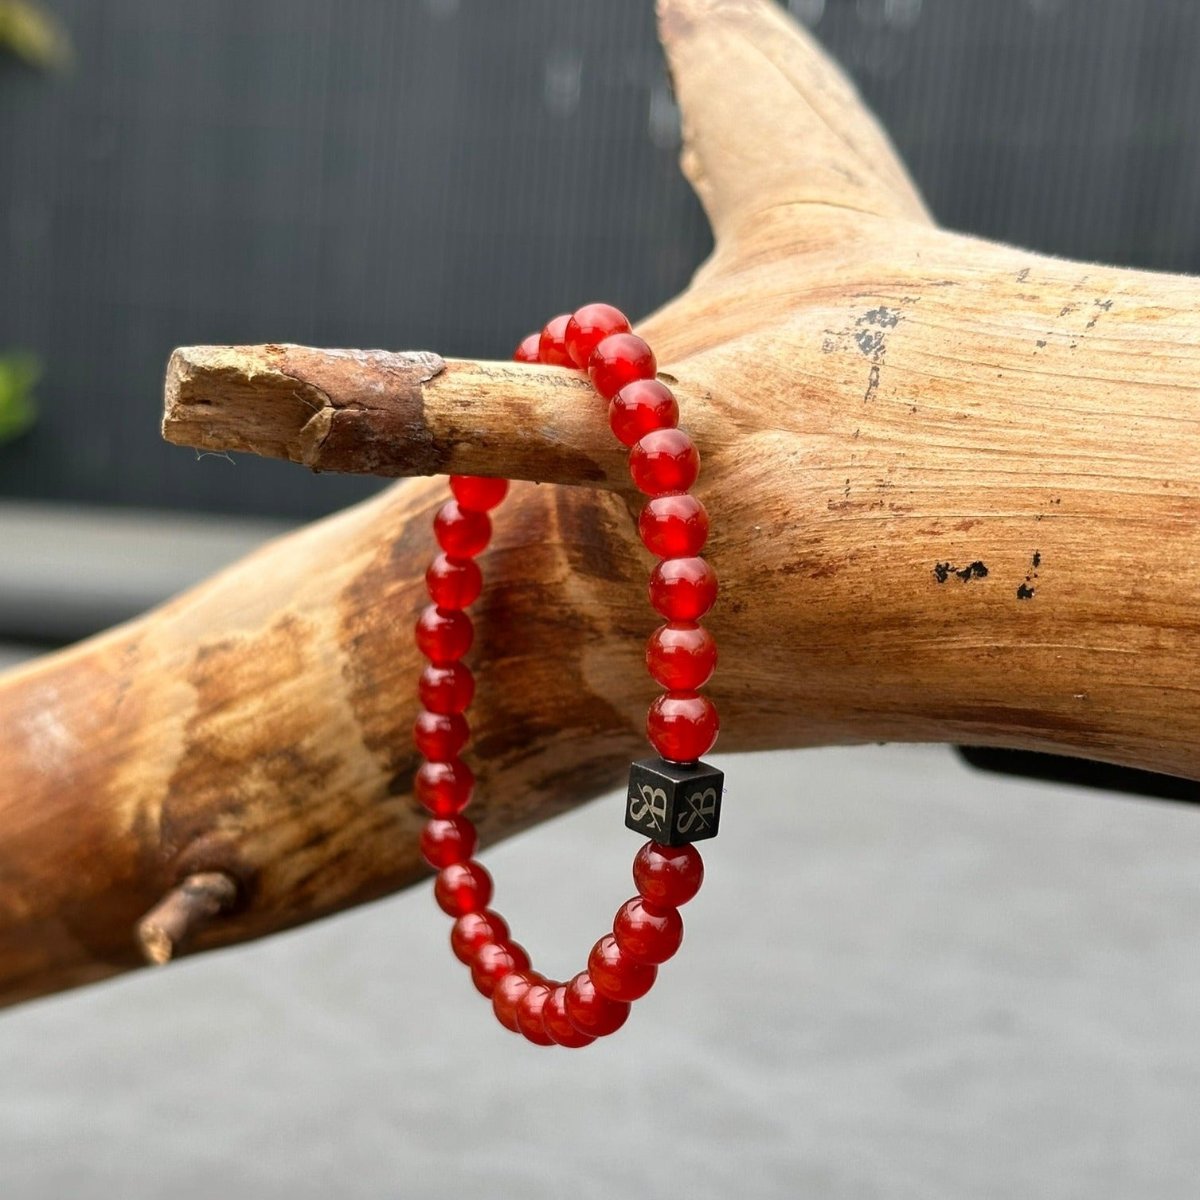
point(903, 979)
point(12, 654)
point(66, 572)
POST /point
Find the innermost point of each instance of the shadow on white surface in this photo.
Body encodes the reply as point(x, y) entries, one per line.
point(902, 979)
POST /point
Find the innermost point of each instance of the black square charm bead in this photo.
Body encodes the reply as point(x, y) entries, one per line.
point(674, 803)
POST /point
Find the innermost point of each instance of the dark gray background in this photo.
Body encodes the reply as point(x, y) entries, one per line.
point(904, 979)
point(445, 174)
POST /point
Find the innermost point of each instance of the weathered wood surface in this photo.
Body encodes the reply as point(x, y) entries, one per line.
point(955, 490)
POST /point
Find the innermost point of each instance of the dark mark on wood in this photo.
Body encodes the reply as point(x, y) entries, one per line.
point(1103, 305)
point(869, 341)
point(976, 570)
point(886, 318)
point(1025, 590)
point(1022, 274)
point(872, 380)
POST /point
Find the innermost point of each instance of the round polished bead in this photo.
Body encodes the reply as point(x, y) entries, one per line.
point(664, 460)
point(681, 655)
point(507, 995)
point(527, 349)
point(590, 1012)
point(667, 876)
point(682, 726)
point(683, 589)
point(478, 493)
point(494, 960)
point(620, 359)
point(453, 582)
point(461, 532)
point(617, 976)
point(444, 788)
point(463, 887)
point(646, 933)
point(440, 736)
point(588, 327)
point(640, 407)
point(558, 1024)
point(674, 526)
point(444, 635)
point(447, 840)
point(446, 689)
point(552, 346)
point(475, 929)
point(531, 1013)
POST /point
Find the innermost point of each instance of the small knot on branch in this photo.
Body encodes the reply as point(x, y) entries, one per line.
point(190, 907)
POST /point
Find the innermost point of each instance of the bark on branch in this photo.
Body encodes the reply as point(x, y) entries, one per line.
point(955, 496)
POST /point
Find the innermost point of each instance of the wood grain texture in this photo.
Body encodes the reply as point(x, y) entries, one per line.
point(954, 489)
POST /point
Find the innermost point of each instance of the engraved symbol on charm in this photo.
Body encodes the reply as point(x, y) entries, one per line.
point(701, 807)
point(653, 802)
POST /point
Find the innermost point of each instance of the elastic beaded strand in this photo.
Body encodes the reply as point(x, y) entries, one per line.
point(681, 723)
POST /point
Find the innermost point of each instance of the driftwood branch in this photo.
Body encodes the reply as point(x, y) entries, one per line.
point(955, 493)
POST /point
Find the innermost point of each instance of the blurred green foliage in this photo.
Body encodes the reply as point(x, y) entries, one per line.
point(31, 33)
point(18, 373)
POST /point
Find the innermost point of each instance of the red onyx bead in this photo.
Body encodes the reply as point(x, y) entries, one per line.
point(620, 359)
point(639, 407)
point(494, 960)
point(683, 589)
point(439, 736)
point(453, 582)
point(461, 532)
point(558, 1024)
point(617, 976)
point(667, 876)
point(447, 840)
point(527, 350)
point(475, 929)
point(478, 493)
point(507, 994)
point(444, 635)
point(592, 1013)
point(664, 460)
point(444, 788)
point(446, 689)
point(681, 655)
point(552, 346)
point(463, 887)
point(674, 526)
point(646, 933)
point(531, 1013)
point(682, 726)
point(589, 326)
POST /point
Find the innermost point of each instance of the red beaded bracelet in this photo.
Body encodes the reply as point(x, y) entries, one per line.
point(674, 798)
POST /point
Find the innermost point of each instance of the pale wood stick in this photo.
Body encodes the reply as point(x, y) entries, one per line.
point(377, 412)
